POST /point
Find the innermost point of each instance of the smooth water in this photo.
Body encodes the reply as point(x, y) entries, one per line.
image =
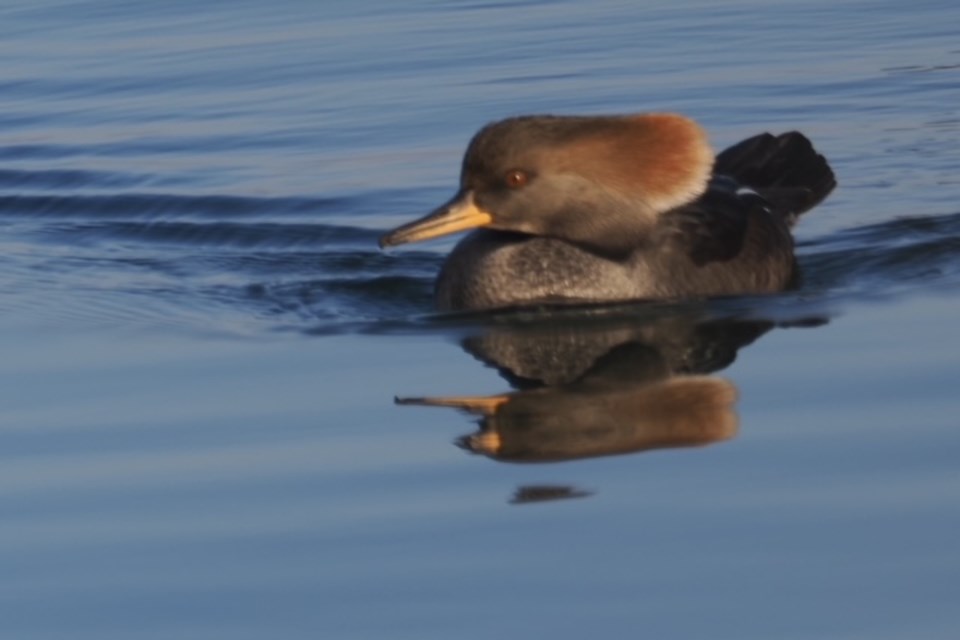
point(202, 343)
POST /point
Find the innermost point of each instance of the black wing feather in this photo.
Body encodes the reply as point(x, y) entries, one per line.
point(713, 228)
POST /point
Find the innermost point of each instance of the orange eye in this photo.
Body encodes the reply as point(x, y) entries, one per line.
point(516, 178)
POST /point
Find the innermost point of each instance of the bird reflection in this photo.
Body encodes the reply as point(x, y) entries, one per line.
point(584, 390)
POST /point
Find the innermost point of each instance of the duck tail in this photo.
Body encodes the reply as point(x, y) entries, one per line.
point(785, 170)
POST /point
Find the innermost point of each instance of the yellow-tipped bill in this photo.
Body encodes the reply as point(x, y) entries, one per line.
point(459, 214)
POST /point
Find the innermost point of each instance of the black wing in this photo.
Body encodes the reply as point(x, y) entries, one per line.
point(785, 170)
point(713, 227)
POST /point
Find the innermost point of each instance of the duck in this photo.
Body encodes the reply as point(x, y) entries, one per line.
point(598, 209)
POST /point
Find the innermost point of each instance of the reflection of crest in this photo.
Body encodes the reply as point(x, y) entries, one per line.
point(582, 421)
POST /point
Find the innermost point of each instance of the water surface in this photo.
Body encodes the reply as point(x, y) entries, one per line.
point(202, 343)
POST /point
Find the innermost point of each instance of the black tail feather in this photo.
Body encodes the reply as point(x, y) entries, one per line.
point(786, 170)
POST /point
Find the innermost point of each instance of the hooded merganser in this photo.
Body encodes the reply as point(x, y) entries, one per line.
point(610, 208)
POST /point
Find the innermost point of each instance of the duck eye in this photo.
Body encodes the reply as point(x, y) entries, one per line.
point(516, 178)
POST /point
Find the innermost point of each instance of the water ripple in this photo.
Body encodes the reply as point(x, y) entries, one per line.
point(148, 205)
point(918, 251)
point(212, 234)
point(53, 179)
point(279, 262)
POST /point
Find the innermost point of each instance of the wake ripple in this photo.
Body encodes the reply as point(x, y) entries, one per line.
point(225, 262)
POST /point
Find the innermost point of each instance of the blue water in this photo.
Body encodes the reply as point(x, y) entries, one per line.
point(202, 343)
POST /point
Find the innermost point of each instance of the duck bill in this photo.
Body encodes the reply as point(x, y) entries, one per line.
point(459, 214)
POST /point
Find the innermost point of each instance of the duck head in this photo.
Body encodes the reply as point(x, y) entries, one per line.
point(597, 181)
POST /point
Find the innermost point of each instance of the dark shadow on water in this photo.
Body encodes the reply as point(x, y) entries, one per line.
point(529, 494)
